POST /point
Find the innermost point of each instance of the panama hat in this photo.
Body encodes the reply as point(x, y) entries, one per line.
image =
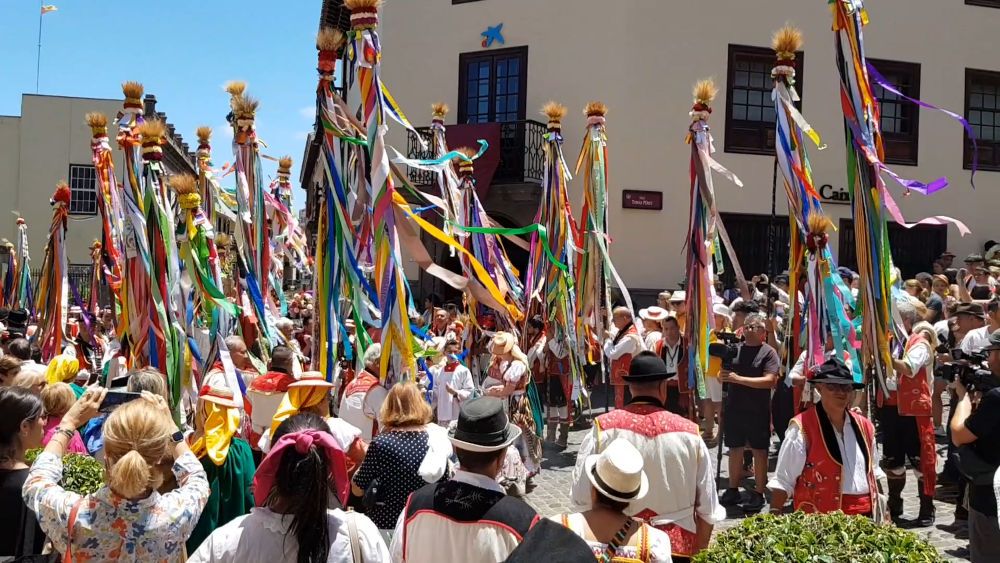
point(311, 379)
point(617, 472)
point(219, 395)
point(656, 314)
point(483, 426)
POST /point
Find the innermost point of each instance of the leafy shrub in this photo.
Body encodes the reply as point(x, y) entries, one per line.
point(82, 474)
point(817, 538)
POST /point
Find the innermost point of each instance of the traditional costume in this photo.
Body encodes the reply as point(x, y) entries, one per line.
point(227, 460)
point(680, 397)
point(559, 390)
point(682, 487)
point(619, 351)
point(362, 400)
point(825, 468)
point(908, 427)
point(468, 518)
point(265, 395)
point(515, 372)
point(458, 377)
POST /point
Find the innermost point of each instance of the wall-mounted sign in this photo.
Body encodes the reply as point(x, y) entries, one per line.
point(834, 196)
point(642, 199)
point(493, 33)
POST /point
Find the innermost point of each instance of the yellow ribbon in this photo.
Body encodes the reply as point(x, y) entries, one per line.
point(221, 423)
point(296, 399)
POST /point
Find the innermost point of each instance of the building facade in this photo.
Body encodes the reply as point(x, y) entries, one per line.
point(50, 142)
point(642, 58)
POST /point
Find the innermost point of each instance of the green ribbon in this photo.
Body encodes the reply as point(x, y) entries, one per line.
point(532, 228)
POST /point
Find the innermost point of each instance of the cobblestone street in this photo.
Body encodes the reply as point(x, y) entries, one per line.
point(551, 496)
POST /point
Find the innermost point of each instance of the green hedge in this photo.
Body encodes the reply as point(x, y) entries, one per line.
point(817, 538)
point(82, 474)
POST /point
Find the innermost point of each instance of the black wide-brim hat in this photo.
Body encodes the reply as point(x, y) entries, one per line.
point(646, 367)
point(836, 372)
point(483, 426)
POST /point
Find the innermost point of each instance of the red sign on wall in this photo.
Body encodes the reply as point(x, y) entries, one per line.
point(642, 199)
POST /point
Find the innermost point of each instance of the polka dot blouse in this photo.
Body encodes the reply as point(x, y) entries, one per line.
point(393, 458)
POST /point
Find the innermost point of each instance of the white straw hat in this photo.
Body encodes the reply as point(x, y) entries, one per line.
point(617, 472)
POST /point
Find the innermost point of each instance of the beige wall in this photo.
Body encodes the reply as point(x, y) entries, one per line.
point(642, 57)
point(53, 134)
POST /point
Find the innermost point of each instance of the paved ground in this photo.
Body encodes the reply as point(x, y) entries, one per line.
point(551, 496)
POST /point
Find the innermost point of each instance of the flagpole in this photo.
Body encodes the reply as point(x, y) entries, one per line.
point(38, 56)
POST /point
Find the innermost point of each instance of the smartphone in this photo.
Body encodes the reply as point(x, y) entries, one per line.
point(115, 399)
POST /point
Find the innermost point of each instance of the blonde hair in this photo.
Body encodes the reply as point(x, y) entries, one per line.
point(28, 378)
point(405, 406)
point(58, 398)
point(136, 440)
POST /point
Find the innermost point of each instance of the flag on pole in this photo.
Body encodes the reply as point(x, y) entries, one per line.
point(48, 8)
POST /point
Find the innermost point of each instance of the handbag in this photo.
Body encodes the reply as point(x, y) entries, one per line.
point(373, 495)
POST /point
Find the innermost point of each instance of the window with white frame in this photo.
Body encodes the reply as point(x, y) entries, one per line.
point(83, 189)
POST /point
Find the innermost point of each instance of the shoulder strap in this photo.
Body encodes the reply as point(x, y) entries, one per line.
point(612, 548)
point(28, 525)
point(352, 531)
point(68, 556)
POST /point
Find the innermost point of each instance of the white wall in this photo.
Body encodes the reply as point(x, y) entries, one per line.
point(641, 58)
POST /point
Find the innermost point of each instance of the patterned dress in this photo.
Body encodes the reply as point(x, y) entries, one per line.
point(109, 527)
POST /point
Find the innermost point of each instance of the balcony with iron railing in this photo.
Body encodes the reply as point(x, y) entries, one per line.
point(522, 153)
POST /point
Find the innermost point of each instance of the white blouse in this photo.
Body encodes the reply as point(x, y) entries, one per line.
point(264, 535)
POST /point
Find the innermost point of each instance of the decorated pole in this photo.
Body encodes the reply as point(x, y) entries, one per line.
point(365, 53)
point(207, 186)
point(824, 312)
point(552, 261)
point(96, 274)
point(53, 284)
point(109, 204)
point(596, 272)
point(136, 304)
point(251, 230)
point(705, 229)
point(22, 298)
point(341, 288)
point(168, 345)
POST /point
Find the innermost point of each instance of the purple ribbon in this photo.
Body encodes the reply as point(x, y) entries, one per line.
point(884, 83)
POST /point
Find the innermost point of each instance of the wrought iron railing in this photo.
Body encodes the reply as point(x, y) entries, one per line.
point(522, 153)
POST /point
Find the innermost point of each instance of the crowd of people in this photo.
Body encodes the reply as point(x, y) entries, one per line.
point(439, 464)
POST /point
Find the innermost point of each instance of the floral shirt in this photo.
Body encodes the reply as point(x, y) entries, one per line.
point(109, 527)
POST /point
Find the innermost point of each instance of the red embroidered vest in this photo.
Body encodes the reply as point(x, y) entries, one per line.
point(619, 367)
point(819, 488)
point(914, 393)
point(361, 384)
point(651, 421)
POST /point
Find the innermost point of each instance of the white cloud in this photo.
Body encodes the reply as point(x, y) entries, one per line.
point(224, 131)
point(302, 135)
point(308, 112)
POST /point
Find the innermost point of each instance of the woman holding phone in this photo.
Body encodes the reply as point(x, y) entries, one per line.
point(127, 517)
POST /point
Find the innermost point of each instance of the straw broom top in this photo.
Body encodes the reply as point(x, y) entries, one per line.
point(98, 123)
point(786, 42)
point(439, 110)
point(330, 39)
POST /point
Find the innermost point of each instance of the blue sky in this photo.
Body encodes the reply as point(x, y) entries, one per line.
point(183, 51)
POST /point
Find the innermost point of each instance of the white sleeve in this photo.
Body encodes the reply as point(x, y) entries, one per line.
point(373, 547)
point(580, 485)
point(706, 502)
point(791, 461)
point(396, 547)
point(373, 401)
point(515, 371)
point(627, 345)
point(917, 357)
point(659, 546)
point(463, 383)
point(798, 370)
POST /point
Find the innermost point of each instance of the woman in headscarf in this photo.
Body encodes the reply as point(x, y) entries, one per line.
point(508, 378)
point(64, 369)
point(300, 491)
point(311, 394)
point(227, 460)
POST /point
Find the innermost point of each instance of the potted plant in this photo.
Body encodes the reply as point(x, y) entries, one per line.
point(82, 474)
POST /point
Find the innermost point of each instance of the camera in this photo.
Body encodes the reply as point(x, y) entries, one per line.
point(727, 350)
point(968, 369)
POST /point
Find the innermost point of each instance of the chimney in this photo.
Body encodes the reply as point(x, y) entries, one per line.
point(149, 103)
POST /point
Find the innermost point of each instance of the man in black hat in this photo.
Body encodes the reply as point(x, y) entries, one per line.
point(828, 459)
point(682, 498)
point(468, 518)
